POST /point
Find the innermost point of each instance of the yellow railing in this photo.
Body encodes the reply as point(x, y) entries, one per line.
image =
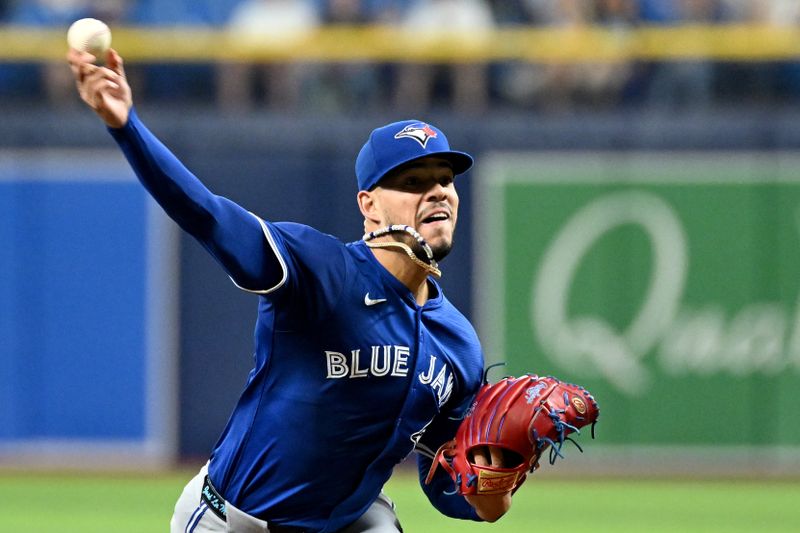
point(549, 45)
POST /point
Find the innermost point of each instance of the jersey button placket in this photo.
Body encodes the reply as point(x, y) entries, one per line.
point(421, 335)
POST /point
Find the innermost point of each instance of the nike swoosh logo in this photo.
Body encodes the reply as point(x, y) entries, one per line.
point(370, 302)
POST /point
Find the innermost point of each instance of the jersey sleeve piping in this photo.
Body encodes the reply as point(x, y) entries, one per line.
point(424, 450)
point(271, 241)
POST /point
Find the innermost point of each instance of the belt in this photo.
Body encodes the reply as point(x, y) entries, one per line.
point(217, 504)
point(214, 501)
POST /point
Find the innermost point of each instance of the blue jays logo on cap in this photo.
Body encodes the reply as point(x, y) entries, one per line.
point(420, 132)
point(388, 148)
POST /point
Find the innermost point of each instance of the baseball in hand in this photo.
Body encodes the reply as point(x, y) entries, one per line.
point(90, 35)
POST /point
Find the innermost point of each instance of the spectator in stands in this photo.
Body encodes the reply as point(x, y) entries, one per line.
point(551, 85)
point(345, 12)
point(608, 81)
point(4, 9)
point(184, 82)
point(770, 81)
point(554, 86)
point(782, 12)
point(280, 85)
point(429, 20)
point(49, 12)
point(509, 12)
point(183, 12)
point(351, 85)
point(686, 83)
point(387, 11)
point(52, 78)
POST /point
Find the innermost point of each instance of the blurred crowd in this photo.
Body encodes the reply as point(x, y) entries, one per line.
point(468, 87)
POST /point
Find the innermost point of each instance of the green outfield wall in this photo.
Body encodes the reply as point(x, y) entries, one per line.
point(668, 284)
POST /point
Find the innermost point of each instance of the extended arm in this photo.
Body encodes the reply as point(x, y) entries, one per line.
point(231, 234)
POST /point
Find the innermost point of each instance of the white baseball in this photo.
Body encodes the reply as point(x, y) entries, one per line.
point(90, 35)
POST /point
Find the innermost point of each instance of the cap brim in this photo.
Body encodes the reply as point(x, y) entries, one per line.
point(461, 162)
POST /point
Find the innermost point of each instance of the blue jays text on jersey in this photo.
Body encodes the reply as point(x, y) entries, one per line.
point(350, 373)
point(388, 360)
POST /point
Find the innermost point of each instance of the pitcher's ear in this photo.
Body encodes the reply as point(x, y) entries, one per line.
point(368, 205)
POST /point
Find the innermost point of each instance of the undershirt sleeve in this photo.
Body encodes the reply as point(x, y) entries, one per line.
point(441, 490)
point(233, 236)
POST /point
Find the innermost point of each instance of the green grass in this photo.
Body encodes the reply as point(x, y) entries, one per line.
point(628, 506)
point(87, 503)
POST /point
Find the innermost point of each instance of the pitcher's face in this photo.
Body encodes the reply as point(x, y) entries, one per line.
point(422, 194)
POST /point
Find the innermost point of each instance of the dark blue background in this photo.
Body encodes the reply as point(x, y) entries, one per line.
point(285, 168)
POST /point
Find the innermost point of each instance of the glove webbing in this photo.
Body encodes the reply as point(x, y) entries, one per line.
point(561, 427)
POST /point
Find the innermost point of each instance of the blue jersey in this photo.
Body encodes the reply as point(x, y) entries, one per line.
point(350, 373)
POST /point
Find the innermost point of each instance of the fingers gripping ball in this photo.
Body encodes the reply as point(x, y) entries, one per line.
point(522, 416)
point(89, 35)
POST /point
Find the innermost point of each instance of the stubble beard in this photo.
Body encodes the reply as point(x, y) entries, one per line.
point(440, 243)
point(442, 250)
point(439, 251)
point(440, 246)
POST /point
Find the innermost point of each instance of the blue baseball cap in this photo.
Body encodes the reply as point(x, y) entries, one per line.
point(398, 143)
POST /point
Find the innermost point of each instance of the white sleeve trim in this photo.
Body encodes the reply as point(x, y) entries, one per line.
point(271, 241)
point(424, 450)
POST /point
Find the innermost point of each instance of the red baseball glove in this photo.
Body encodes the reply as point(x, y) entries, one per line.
point(523, 417)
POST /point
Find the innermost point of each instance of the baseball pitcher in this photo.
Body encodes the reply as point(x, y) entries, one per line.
point(359, 360)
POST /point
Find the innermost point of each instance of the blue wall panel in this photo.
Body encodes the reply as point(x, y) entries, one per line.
point(73, 358)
